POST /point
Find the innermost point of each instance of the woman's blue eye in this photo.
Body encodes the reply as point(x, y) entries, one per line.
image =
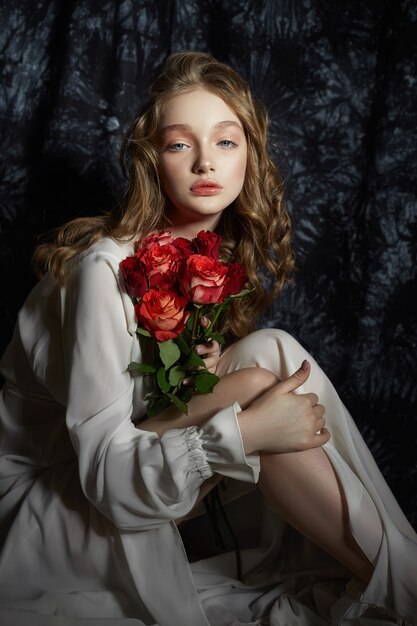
point(177, 147)
point(227, 143)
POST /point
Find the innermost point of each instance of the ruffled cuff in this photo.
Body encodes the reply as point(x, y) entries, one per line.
point(217, 446)
point(222, 442)
point(184, 454)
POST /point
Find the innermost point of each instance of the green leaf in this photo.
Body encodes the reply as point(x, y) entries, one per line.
point(158, 406)
point(194, 361)
point(217, 337)
point(182, 344)
point(176, 374)
point(143, 331)
point(189, 323)
point(205, 382)
point(178, 403)
point(162, 380)
point(141, 368)
point(169, 352)
point(242, 293)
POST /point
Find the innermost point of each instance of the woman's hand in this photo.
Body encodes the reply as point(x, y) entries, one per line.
point(281, 421)
point(210, 350)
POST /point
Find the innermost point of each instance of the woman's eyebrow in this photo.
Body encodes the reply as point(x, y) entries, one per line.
point(170, 127)
point(188, 128)
point(227, 123)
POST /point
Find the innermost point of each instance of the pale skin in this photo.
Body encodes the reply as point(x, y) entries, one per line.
point(201, 138)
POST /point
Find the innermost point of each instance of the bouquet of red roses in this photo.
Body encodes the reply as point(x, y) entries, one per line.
point(173, 282)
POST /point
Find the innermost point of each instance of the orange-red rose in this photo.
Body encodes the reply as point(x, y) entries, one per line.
point(203, 279)
point(162, 312)
point(161, 238)
point(162, 264)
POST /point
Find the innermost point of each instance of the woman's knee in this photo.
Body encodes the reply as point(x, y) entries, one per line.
point(252, 382)
point(262, 349)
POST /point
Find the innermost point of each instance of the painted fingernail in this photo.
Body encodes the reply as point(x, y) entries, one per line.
point(304, 365)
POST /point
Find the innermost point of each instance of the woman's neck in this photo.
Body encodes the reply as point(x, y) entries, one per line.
point(189, 230)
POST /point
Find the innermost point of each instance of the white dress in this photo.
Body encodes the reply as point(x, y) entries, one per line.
point(88, 500)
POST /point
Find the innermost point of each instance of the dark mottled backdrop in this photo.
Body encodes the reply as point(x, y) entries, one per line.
point(340, 82)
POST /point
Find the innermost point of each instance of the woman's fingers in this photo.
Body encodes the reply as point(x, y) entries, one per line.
point(319, 410)
point(294, 381)
point(211, 352)
point(210, 347)
point(204, 321)
point(320, 438)
point(284, 422)
point(312, 397)
point(210, 363)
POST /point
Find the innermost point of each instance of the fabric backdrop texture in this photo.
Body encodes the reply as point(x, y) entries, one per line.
point(340, 82)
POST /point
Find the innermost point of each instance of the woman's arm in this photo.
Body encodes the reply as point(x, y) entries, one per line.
point(273, 419)
point(131, 475)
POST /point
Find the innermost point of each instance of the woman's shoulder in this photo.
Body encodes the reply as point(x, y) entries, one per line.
point(94, 276)
point(98, 264)
point(109, 247)
point(104, 252)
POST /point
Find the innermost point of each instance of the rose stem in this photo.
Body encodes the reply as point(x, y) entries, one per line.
point(214, 320)
point(195, 320)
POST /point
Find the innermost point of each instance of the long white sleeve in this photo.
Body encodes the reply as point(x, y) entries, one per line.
point(130, 475)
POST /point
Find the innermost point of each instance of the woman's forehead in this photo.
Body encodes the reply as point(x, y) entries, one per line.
point(194, 107)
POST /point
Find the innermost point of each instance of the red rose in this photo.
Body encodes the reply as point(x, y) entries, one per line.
point(203, 279)
point(162, 264)
point(134, 274)
point(161, 238)
point(162, 312)
point(207, 243)
point(235, 280)
point(184, 246)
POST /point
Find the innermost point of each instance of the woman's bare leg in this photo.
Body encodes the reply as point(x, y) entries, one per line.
point(309, 496)
point(301, 487)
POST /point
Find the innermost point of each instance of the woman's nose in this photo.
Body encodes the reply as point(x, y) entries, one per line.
point(204, 162)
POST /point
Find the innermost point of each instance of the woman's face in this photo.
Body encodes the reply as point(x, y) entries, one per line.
point(202, 158)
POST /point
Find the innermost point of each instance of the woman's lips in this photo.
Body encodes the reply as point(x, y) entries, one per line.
point(205, 188)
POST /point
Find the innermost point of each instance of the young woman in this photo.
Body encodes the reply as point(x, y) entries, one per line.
point(94, 493)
